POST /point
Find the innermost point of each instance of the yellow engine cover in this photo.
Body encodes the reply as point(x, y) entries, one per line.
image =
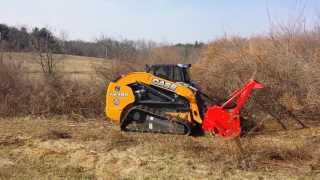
point(117, 99)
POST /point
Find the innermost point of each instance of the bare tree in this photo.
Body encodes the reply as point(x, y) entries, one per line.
point(45, 45)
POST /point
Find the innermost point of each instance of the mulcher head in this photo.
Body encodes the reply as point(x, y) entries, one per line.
point(226, 122)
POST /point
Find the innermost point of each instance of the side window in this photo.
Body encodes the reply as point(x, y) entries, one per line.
point(162, 71)
point(186, 75)
point(177, 75)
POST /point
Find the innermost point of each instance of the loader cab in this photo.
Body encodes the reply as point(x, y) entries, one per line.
point(171, 72)
point(178, 73)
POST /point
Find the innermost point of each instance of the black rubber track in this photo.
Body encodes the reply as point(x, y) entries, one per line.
point(172, 124)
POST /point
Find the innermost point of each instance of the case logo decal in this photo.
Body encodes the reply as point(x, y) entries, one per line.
point(164, 84)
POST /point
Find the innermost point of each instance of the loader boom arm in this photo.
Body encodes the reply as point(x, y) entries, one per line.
point(242, 95)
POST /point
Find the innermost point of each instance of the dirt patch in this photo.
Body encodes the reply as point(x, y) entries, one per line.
point(54, 134)
point(12, 140)
point(5, 163)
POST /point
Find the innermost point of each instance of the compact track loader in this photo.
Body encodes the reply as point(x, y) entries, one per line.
point(163, 99)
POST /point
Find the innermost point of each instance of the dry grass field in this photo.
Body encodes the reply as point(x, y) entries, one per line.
point(73, 67)
point(74, 147)
point(68, 64)
point(52, 119)
point(60, 148)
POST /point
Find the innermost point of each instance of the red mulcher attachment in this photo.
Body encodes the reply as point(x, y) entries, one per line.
point(226, 123)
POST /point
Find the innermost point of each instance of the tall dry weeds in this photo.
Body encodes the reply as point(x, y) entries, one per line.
point(11, 87)
point(287, 64)
point(50, 95)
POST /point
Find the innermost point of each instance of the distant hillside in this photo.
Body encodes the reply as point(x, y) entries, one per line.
point(15, 39)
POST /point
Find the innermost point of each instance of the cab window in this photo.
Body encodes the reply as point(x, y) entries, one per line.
point(162, 71)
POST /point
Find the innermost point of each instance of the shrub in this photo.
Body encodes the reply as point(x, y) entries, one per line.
point(54, 95)
point(288, 66)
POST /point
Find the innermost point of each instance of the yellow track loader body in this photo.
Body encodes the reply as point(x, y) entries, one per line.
point(163, 99)
point(120, 95)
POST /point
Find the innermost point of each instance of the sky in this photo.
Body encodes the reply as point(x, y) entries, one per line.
point(170, 21)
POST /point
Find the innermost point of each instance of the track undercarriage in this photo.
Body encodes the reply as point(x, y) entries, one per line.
point(154, 120)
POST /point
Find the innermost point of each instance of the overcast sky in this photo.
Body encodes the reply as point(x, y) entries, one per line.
point(159, 20)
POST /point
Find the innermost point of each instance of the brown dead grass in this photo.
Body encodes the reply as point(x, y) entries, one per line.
point(68, 64)
point(22, 94)
point(63, 148)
